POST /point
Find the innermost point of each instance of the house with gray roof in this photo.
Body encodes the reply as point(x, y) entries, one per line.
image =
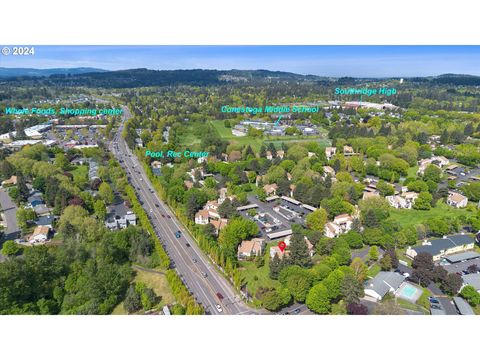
point(462, 306)
point(385, 282)
point(440, 248)
point(473, 280)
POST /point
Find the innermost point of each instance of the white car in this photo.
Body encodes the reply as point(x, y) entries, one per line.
point(219, 308)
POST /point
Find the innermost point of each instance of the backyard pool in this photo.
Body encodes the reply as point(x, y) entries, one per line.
point(409, 292)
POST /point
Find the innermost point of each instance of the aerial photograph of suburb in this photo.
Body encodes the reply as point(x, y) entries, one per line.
point(239, 180)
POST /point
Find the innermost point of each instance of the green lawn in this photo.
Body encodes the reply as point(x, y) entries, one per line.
point(373, 270)
point(408, 217)
point(157, 282)
point(80, 171)
point(256, 143)
point(189, 138)
point(257, 277)
point(409, 306)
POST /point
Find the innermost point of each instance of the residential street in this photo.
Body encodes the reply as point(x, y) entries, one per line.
point(9, 209)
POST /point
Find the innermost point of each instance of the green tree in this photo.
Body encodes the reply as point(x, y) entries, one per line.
point(373, 253)
point(316, 220)
point(432, 173)
point(423, 201)
point(351, 289)
point(299, 253)
point(470, 294)
point(132, 302)
point(106, 192)
point(100, 210)
point(10, 248)
point(318, 299)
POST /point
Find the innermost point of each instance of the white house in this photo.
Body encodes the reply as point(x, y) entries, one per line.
point(457, 200)
point(385, 282)
point(40, 234)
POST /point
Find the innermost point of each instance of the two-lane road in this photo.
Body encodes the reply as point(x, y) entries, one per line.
point(196, 271)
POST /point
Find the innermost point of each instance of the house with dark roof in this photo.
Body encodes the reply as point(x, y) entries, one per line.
point(440, 248)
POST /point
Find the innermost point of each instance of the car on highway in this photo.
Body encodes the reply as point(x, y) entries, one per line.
point(156, 205)
point(187, 244)
point(219, 308)
point(296, 311)
point(168, 216)
point(194, 260)
point(219, 295)
point(177, 234)
point(204, 274)
point(151, 210)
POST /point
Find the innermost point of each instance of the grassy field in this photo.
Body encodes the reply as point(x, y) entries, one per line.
point(256, 143)
point(80, 172)
point(257, 277)
point(157, 282)
point(408, 217)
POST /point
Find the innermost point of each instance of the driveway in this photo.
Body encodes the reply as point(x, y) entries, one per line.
point(10, 214)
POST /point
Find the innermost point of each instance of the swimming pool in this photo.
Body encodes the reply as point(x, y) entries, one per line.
point(409, 292)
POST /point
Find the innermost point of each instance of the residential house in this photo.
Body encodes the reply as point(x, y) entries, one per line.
point(462, 306)
point(249, 248)
point(370, 194)
point(348, 150)
point(121, 221)
point(328, 170)
point(332, 230)
point(270, 189)
point(219, 224)
point(212, 207)
point(201, 217)
point(330, 152)
point(403, 201)
point(280, 154)
point(472, 280)
point(344, 221)
point(41, 209)
point(269, 155)
point(46, 220)
point(222, 195)
point(92, 170)
point(383, 283)
point(457, 200)
point(440, 248)
point(11, 181)
point(40, 235)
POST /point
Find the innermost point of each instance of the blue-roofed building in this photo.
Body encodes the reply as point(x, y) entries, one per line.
point(440, 248)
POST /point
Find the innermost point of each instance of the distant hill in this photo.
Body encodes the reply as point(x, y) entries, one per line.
point(145, 77)
point(21, 72)
point(457, 79)
point(131, 78)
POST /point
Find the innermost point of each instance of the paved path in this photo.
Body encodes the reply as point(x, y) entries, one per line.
point(9, 209)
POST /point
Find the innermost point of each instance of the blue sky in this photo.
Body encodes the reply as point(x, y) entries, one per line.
point(358, 61)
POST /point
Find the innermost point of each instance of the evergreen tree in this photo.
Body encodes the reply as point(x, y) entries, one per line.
point(276, 265)
point(299, 254)
point(22, 188)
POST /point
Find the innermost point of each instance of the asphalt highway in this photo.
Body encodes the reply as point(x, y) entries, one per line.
point(200, 276)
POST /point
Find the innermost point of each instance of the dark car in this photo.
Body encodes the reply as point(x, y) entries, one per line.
point(220, 296)
point(163, 215)
point(187, 244)
point(156, 205)
point(168, 216)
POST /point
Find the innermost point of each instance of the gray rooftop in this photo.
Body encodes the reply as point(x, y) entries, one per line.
point(472, 279)
point(440, 245)
point(384, 282)
point(468, 255)
point(463, 307)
